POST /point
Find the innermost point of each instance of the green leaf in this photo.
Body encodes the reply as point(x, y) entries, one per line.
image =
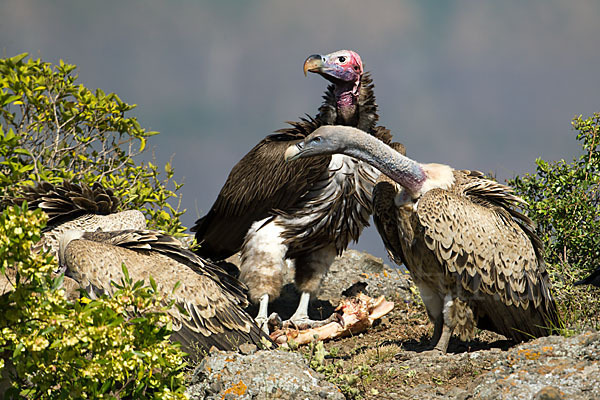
point(17, 59)
point(125, 272)
point(11, 99)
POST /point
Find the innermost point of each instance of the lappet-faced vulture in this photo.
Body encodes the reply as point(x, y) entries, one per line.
point(307, 211)
point(476, 259)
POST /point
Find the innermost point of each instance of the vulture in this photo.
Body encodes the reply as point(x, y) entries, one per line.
point(92, 241)
point(306, 212)
point(475, 258)
point(71, 206)
point(593, 279)
point(213, 300)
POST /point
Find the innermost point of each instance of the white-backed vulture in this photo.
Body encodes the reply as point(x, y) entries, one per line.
point(308, 211)
point(70, 206)
point(106, 239)
point(476, 259)
point(214, 301)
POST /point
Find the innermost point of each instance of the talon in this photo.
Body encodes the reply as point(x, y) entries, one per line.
point(338, 318)
point(274, 322)
point(307, 323)
point(298, 325)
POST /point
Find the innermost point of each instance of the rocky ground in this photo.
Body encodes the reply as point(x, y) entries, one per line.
point(390, 361)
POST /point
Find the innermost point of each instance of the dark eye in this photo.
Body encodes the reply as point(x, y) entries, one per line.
point(342, 58)
point(316, 139)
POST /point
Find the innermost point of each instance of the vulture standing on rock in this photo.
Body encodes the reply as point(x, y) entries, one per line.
point(92, 241)
point(308, 211)
point(476, 260)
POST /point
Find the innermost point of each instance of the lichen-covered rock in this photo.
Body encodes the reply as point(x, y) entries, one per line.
point(547, 368)
point(262, 375)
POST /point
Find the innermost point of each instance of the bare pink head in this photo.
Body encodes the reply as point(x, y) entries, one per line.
point(343, 68)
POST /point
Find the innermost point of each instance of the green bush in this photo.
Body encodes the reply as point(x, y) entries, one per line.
point(107, 348)
point(564, 200)
point(53, 129)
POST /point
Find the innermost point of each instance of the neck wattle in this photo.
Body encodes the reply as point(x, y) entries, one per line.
point(347, 104)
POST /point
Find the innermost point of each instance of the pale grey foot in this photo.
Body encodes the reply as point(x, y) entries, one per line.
point(442, 344)
point(300, 319)
point(262, 319)
point(441, 337)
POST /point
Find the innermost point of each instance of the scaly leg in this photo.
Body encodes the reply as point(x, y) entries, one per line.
point(262, 319)
point(444, 325)
point(301, 313)
point(310, 270)
point(442, 344)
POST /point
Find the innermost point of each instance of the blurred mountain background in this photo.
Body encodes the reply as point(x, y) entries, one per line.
point(477, 84)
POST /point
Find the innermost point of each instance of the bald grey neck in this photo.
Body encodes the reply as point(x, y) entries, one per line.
point(358, 144)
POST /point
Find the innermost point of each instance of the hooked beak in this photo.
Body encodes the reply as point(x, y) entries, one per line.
point(314, 63)
point(293, 152)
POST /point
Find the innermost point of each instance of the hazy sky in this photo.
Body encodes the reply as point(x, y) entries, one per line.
point(479, 84)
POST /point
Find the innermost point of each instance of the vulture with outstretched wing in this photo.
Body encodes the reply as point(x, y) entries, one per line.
point(213, 300)
point(476, 259)
point(92, 240)
point(307, 211)
point(70, 206)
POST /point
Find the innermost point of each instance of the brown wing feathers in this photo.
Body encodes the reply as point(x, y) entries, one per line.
point(171, 247)
point(262, 182)
point(492, 255)
point(68, 200)
point(213, 300)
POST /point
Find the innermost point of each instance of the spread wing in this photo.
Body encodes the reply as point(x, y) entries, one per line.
point(213, 304)
point(68, 200)
point(261, 182)
point(487, 248)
